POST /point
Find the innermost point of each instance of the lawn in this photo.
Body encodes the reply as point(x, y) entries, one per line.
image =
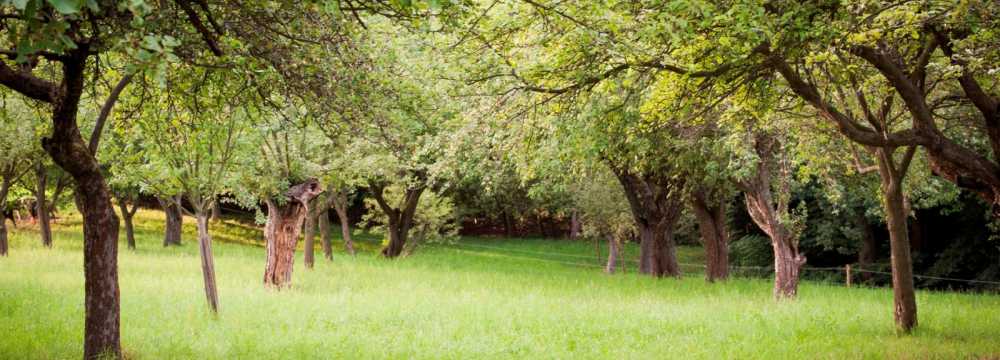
point(478, 298)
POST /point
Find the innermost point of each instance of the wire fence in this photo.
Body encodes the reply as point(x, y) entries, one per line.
point(848, 274)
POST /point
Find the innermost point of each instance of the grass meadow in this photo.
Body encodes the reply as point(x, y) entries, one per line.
point(479, 298)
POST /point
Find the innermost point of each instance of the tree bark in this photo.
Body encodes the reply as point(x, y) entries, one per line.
point(4, 189)
point(216, 210)
point(869, 244)
point(282, 231)
point(340, 207)
point(44, 227)
point(309, 236)
point(903, 293)
point(711, 215)
point(614, 251)
point(400, 218)
point(767, 212)
point(207, 259)
point(656, 206)
point(175, 221)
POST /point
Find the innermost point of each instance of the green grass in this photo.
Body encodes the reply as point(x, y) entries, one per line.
point(480, 298)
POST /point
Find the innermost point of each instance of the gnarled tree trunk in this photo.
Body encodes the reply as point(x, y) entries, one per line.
point(174, 220)
point(44, 226)
point(655, 202)
point(400, 218)
point(282, 232)
point(339, 201)
point(767, 212)
point(711, 214)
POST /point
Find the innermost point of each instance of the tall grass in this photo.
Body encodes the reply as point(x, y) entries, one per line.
point(479, 298)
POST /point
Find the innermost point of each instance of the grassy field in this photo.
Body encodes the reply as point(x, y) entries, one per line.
point(479, 298)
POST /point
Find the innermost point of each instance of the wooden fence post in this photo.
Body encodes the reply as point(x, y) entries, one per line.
point(847, 269)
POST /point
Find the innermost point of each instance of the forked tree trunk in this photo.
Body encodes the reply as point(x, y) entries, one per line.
point(711, 215)
point(127, 216)
point(340, 207)
point(400, 219)
point(767, 212)
point(44, 227)
point(309, 236)
point(207, 259)
point(904, 297)
point(656, 206)
point(614, 251)
point(282, 232)
point(174, 221)
point(324, 233)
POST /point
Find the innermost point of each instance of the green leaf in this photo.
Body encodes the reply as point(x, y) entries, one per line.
point(66, 7)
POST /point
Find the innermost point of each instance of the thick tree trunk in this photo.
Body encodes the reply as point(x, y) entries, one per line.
point(656, 206)
point(711, 215)
point(44, 227)
point(100, 224)
point(174, 223)
point(207, 260)
point(904, 297)
point(282, 232)
point(614, 251)
point(324, 233)
point(309, 236)
point(129, 228)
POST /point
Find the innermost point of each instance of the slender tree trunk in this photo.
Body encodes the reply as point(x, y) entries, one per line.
point(309, 235)
point(904, 296)
point(129, 228)
point(574, 225)
point(324, 231)
point(174, 223)
point(4, 189)
point(711, 215)
point(614, 251)
point(42, 209)
point(207, 260)
point(508, 225)
point(282, 232)
point(216, 210)
point(340, 206)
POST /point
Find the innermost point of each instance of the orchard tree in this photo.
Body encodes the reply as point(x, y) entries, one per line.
point(17, 147)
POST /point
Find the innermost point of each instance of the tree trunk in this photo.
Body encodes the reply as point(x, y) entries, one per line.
point(767, 212)
point(44, 228)
point(904, 297)
point(916, 232)
point(711, 215)
point(869, 244)
point(174, 223)
point(4, 188)
point(340, 206)
point(508, 225)
point(216, 210)
point(309, 236)
point(574, 225)
point(207, 260)
point(613, 253)
point(129, 228)
point(93, 198)
point(400, 219)
point(656, 206)
point(282, 232)
point(324, 231)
